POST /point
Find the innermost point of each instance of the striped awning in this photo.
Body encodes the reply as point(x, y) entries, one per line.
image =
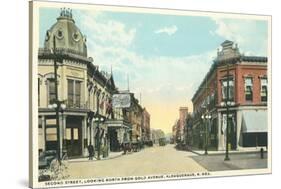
point(254, 121)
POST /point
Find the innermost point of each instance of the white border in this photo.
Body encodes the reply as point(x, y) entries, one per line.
point(14, 58)
point(38, 4)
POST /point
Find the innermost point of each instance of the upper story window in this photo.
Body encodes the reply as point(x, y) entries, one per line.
point(73, 93)
point(212, 100)
point(264, 89)
point(230, 90)
point(38, 92)
point(51, 91)
point(248, 89)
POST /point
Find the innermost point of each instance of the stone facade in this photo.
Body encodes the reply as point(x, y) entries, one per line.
point(88, 116)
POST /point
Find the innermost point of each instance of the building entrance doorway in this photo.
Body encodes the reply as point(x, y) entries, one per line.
point(232, 134)
point(113, 139)
point(73, 135)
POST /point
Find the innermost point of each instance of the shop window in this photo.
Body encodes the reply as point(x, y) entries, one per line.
point(51, 134)
point(264, 90)
point(68, 134)
point(248, 89)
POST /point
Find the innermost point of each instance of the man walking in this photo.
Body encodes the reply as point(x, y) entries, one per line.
point(91, 151)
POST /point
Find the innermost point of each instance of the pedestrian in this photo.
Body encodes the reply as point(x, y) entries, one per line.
point(125, 147)
point(91, 151)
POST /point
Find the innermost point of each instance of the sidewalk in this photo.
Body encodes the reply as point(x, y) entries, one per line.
point(111, 155)
point(238, 160)
point(221, 152)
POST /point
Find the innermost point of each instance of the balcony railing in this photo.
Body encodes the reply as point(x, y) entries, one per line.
point(77, 105)
point(43, 52)
point(61, 51)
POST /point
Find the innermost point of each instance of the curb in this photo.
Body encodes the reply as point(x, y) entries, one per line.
point(222, 153)
point(87, 160)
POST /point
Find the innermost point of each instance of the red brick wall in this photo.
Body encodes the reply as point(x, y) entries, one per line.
point(255, 72)
point(183, 114)
point(240, 71)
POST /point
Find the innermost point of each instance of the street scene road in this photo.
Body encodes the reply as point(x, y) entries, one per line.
point(150, 161)
point(175, 109)
point(159, 160)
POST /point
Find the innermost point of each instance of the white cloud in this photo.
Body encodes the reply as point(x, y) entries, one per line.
point(251, 38)
point(107, 32)
point(168, 30)
point(158, 78)
point(164, 82)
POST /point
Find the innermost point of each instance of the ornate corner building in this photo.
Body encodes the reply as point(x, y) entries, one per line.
point(236, 83)
point(86, 92)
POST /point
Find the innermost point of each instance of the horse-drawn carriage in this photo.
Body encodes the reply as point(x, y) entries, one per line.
point(133, 146)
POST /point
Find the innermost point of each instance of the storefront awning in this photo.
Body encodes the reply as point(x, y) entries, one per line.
point(118, 124)
point(254, 121)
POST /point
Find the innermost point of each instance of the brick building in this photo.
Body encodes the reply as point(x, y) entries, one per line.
point(146, 134)
point(245, 77)
point(183, 112)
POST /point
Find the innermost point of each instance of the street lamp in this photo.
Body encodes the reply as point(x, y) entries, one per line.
point(227, 103)
point(206, 117)
point(58, 106)
point(89, 120)
point(98, 119)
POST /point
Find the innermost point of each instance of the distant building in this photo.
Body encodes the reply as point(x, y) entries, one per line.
point(188, 130)
point(146, 134)
point(134, 116)
point(156, 134)
point(248, 95)
point(183, 112)
point(174, 131)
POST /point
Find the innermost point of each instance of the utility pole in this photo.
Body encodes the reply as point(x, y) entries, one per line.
point(57, 101)
point(227, 115)
point(206, 118)
point(98, 124)
point(206, 124)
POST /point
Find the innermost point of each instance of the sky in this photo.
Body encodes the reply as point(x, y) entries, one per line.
point(165, 57)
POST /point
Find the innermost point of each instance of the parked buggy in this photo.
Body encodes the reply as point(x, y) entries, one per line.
point(127, 147)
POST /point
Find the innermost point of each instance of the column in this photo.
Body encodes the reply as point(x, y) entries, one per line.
point(61, 132)
point(64, 133)
point(92, 133)
point(238, 131)
point(88, 135)
point(43, 132)
point(220, 135)
point(84, 136)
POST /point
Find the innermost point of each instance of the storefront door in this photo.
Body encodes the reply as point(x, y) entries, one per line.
point(114, 144)
point(74, 137)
